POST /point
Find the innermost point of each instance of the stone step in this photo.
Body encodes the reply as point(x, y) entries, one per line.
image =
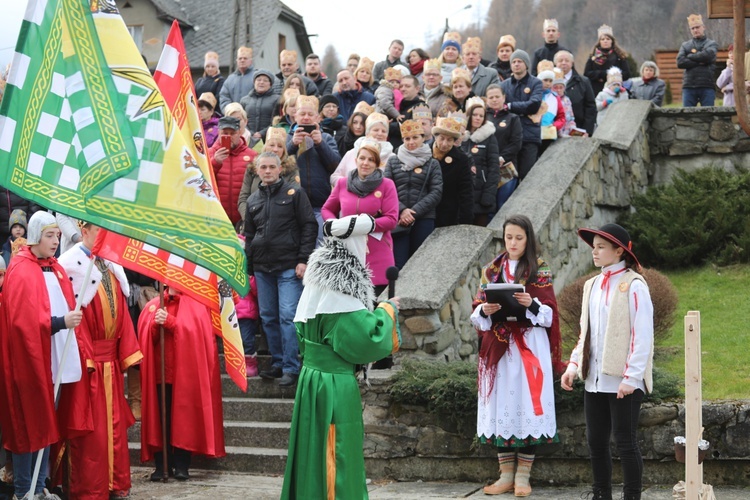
point(265, 461)
point(247, 409)
point(264, 362)
point(256, 388)
point(242, 434)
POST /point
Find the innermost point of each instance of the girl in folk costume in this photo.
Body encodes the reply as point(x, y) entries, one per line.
point(338, 329)
point(516, 360)
point(614, 356)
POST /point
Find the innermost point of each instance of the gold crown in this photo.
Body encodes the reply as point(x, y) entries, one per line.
point(392, 74)
point(375, 118)
point(558, 75)
point(544, 65)
point(695, 20)
point(365, 62)
point(288, 56)
point(211, 56)
point(245, 51)
point(291, 93)
point(460, 118)
point(410, 128)
point(550, 23)
point(431, 64)
point(475, 101)
point(276, 133)
point(363, 107)
point(605, 30)
point(473, 44)
point(209, 98)
point(461, 73)
point(421, 111)
point(508, 40)
point(452, 35)
point(448, 126)
point(308, 101)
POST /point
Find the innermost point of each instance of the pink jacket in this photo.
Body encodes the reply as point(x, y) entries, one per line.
point(247, 306)
point(382, 204)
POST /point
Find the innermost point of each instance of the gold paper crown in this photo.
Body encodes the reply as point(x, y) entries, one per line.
point(392, 74)
point(308, 101)
point(421, 111)
point(410, 128)
point(461, 73)
point(550, 23)
point(460, 118)
point(452, 35)
point(431, 64)
point(559, 76)
point(508, 40)
point(211, 56)
point(375, 118)
point(208, 98)
point(475, 101)
point(276, 133)
point(363, 107)
point(365, 62)
point(695, 20)
point(371, 145)
point(245, 51)
point(605, 30)
point(288, 56)
point(544, 65)
point(291, 93)
point(448, 126)
point(473, 44)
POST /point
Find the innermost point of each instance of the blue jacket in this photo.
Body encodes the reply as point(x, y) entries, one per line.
point(525, 104)
point(315, 165)
point(349, 99)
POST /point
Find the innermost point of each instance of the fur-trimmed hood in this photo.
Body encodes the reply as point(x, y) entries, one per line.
point(75, 261)
point(333, 267)
point(483, 133)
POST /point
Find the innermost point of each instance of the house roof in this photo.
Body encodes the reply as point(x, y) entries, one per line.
point(213, 31)
point(170, 10)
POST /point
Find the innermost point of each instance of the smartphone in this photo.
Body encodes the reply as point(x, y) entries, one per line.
point(226, 141)
point(307, 128)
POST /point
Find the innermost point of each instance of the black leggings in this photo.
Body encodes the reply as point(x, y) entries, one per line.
point(605, 415)
point(527, 450)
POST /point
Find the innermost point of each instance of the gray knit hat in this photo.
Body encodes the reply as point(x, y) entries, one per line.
point(266, 73)
point(522, 55)
point(17, 216)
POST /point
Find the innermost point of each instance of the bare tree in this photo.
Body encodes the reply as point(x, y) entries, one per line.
point(331, 64)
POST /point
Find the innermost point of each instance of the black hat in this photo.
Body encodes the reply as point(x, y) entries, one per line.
point(328, 99)
point(229, 122)
point(613, 233)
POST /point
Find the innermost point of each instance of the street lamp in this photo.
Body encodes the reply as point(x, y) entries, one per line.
point(467, 7)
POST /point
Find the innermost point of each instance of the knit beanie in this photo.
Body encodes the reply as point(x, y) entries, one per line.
point(522, 55)
point(327, 99)
point(17, 216)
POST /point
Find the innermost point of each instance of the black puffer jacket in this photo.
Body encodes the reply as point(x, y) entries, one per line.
point(698, 58)
point(10, 201)
point(457, 203)
point(482, 146)
point(419, 189)
point(508, 133)
point(280, 228)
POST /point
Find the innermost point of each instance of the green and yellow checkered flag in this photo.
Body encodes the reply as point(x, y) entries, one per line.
point(85, 131)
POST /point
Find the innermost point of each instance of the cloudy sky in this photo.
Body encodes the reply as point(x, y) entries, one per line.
point(368, 33)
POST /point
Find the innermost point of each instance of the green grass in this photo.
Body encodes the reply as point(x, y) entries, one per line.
point(720, 294)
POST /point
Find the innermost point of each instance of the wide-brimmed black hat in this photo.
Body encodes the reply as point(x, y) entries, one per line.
point(614, 233)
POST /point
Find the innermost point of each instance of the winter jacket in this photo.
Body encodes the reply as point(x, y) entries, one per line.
point(483, 78)
point(211, 130)
point(336, 127)
point(251, 181)
point(523, 98)
point(382, 204)
point(605, 100)
point(482, 146)
point(315, 165)
point(457, 203)
point(420, 188)
point(280, 228)
point(9, 202)
point(211, 84)
point(378, 71)
point(324, 85)
point(260, 110)
point(555, 114)
point(247, 306)
point(348, 160)
point(345, 142)
point(654, 89)
point(229, 175)
point(545, 53)
point(349, 99)
point(236, 86)
point(508, 133)
point(725, 84)
point(697, 57)
point(502, 68)
point(582, 97)
point(599, 63)
point(385, 100)
point(436, 98)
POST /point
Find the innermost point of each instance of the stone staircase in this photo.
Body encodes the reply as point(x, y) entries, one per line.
point(256, 424)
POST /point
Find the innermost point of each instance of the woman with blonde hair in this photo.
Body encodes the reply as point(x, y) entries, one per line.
point(211, 81)
point(363, 75)
point(288, 104)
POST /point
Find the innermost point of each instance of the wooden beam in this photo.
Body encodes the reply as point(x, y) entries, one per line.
point(723, 9)
point(693, 405)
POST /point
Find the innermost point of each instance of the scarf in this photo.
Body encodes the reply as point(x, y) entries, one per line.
point(600, 56)
point(436, 153)
point(413, 159)
point(417, 67)
point(495, 342)
point(363, 187)
point(429, 93)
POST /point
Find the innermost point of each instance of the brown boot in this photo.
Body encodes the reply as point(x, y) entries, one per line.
point(507, 465)
point(134, 391)
point(523, 471)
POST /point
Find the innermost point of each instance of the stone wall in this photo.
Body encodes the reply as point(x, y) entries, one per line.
point(407, 443)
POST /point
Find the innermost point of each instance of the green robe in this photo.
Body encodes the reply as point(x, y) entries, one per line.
point(325, 458)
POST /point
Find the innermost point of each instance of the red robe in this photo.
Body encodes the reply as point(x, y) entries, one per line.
point(197, 420)
point(27, 405)
point(100, 460)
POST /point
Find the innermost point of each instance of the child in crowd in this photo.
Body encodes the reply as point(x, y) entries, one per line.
point(288, 108)
point(331, 121)
point(247, 316)
point(388, 97)
point(206, 107)
point(614, 357)
point(553, 113)
point(17, 225)
point(558, 87)
point(612, 94)
point(724, 82)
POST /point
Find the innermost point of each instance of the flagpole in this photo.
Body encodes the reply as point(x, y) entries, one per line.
point(165, 455)
point(58, 376)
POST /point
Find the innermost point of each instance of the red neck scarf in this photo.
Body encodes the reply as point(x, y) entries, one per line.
point(417, 67)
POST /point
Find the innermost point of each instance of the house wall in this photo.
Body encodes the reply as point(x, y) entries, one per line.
point(267, 56)
point(154, 30)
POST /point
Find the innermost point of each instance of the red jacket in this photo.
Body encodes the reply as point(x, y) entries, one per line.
point(229, 175)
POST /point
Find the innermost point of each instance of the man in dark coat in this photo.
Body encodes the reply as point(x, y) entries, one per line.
point(321, 81)
point(350, 94)
point(551, 34)
point(578, 90)
point(393, 59)
point(697, 57)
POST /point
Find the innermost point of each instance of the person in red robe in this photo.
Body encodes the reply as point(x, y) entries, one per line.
point(109, 330)
point(37, 311)
point(195, 423)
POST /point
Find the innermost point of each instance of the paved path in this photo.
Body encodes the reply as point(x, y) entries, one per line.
point(232, 485)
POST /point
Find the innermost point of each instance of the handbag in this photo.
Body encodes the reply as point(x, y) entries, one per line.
point(399, 229)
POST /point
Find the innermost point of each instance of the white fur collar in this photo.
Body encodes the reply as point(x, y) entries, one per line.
point(483, 132)
point(75, 261)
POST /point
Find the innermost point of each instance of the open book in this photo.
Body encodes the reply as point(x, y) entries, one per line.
point(502, 293)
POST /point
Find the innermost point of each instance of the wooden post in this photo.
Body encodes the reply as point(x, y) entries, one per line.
point(693, 405)
point(738, 75)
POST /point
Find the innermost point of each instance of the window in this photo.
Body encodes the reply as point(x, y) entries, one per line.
point(282, 42)
point(137, 33)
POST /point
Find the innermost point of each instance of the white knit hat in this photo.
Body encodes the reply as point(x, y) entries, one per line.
point(38, 223)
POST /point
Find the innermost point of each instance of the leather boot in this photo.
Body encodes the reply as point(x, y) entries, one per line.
point(507, 466)
point(134, 391)
point(523, 471)
point(251, 365)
